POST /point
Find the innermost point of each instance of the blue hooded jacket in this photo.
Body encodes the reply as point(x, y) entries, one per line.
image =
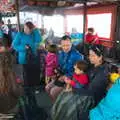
point(66, 61)
point(109, 107)
point(21, 40)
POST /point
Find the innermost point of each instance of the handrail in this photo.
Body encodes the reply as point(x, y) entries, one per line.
point(107, 40)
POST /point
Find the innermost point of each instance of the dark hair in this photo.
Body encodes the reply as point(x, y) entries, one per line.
point(81, 65)
point(2, 21)
point(7, 76)
point(30, 25)
point(66, 37)
point(52, 48)
point(4, 41)
point(98, 49)
point(91, 29)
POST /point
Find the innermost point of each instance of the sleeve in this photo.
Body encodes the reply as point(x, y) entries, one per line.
point(77, 56)
point(51, 60)
point(83, 80)
point(56, 61)
point(99, 83)
point(37, 37)
point(16, 44)
point(72, 83)
point(76, 85)
point(60, 54)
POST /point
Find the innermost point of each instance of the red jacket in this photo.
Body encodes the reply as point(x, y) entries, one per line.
point(91, 39)
point(82, 79)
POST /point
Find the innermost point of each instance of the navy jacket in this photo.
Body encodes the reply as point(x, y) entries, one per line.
point(98, 82)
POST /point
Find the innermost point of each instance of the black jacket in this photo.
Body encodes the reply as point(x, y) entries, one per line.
point(98, 82)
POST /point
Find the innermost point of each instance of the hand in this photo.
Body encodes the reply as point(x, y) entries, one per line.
point(67, 80)
point(27, 47)
point(61, 78)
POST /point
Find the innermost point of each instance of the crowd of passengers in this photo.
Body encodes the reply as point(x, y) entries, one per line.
point(78, 84)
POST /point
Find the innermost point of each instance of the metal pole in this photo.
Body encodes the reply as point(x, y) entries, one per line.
point(42, 21)
point(18, 16)
point(84, 26)
point(0, 16)
point(84, 19)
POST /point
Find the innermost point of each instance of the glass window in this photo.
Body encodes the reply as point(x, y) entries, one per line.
point(101, 23)
point(56, 22)
point(75, 21)
point(33, 17)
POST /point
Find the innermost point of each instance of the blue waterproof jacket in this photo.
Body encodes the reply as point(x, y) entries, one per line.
point(21, 40)
point(66, 61)
point(109, 107)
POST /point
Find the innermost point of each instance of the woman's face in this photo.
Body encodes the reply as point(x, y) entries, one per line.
point(94, 58)
point(26, 29)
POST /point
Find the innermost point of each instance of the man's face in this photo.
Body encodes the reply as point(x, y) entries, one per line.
point(66, 45)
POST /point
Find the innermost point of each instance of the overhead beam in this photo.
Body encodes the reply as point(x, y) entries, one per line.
point(79, 1)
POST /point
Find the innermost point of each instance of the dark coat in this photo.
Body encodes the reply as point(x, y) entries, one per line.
point(9, 101)
point(98, 82)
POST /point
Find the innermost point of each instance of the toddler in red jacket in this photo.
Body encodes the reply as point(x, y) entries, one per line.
point(79, 78)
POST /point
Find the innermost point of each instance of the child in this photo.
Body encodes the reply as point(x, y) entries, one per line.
point(91, 37)
point(80, 79)
point(51, 62)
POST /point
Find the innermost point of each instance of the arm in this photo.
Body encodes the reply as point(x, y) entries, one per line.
point(16, 44)
point(99, 82)
point(37, 37)
point(51, 60)
point(72, 83)
point(76, 85)
point(77, 56)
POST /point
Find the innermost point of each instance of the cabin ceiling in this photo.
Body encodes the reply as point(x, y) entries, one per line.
point(47, 6)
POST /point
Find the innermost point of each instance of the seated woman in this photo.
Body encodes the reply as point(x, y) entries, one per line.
point(74, 104)
point(109, 108)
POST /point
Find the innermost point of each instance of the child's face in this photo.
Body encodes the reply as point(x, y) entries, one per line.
point(90, 32)
point(77, 70)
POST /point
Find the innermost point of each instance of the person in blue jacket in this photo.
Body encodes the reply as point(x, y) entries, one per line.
point(67, 58)
point(26, 44)
point(109, 108)
point(30, 37)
